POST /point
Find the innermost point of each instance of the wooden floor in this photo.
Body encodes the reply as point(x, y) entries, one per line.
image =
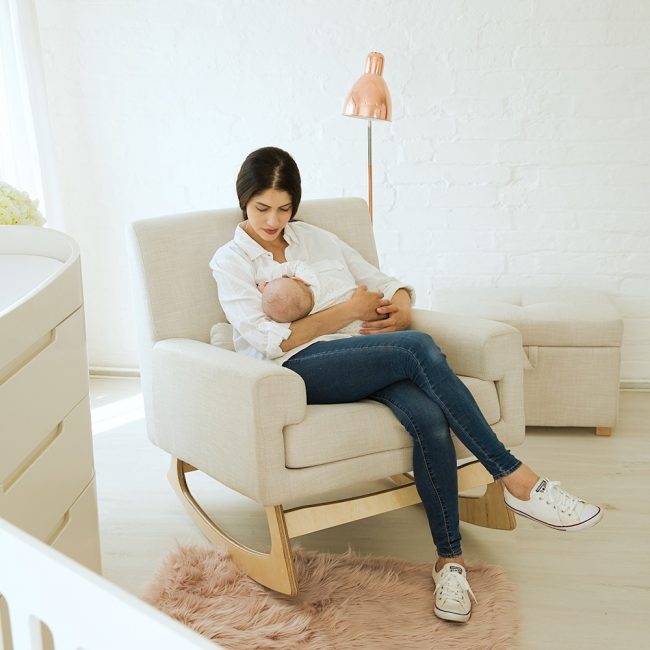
point(582, 590)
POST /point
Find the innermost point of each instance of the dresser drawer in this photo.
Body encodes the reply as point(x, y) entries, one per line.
point(77, 532)
point(41, 489)
point(38, 394)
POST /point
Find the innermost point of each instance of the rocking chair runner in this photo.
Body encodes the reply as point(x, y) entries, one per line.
point(246, 422)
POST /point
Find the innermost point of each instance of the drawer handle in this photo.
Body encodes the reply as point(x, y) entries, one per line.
point(58, 529)
point(26, 356)
point(38, 451)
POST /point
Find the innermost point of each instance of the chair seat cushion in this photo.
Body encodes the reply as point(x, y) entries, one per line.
point(333, 432)
point(545, 317)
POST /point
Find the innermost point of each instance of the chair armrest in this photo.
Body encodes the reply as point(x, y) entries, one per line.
point(224, 412)
point(475, 347)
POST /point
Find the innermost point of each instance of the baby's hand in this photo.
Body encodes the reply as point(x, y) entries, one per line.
point(261, 286)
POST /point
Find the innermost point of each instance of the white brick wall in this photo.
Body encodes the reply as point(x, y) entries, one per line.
point(519, 153)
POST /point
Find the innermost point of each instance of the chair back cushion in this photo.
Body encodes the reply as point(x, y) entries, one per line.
point(175, 293)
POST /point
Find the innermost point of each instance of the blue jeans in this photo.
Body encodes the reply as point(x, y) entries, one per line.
point(409, 373)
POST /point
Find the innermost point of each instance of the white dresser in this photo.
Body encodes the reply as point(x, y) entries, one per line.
point(47, 477)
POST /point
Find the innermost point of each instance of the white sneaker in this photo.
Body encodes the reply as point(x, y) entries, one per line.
point(554, 507)
point(452, 593)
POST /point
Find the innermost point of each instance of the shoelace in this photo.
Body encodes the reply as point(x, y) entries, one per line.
point(451, 585)
point(565, 502)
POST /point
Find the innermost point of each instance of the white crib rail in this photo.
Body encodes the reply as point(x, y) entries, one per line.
point(82, 610)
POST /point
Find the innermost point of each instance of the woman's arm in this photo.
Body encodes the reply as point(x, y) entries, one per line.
point(323, 322)
point(397, 315)
point(365, 273)
point(363, 304)
point(241, 301)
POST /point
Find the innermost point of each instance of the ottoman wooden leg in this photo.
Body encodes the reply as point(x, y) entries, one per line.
point(603, 431)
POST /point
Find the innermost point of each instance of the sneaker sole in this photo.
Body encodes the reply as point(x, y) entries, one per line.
point(592, 521)
point(452, 616)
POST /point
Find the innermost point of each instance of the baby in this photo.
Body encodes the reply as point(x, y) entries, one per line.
point(297, 290)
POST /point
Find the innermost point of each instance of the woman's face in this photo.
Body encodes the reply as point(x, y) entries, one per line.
point(268, 213)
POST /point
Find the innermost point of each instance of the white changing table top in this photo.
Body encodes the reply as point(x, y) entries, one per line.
point(20, 274)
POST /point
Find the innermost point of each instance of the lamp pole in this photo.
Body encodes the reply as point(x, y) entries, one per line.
point(370, 167)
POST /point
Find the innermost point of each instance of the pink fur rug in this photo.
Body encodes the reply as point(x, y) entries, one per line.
point(345, 601)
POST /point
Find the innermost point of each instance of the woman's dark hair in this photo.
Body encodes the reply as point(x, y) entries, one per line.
point(268, 168)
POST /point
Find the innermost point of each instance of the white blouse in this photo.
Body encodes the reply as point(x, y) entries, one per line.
point(239, 265)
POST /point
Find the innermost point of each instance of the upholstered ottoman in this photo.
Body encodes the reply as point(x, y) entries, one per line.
point(572, 340)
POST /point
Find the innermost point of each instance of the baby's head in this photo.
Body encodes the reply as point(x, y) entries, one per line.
point(285, 300)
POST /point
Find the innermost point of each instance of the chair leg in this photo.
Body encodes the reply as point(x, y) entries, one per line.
point(488, 510)
point(603, 431)
point(274, 570)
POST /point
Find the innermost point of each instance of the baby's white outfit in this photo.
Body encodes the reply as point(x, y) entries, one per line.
point(329, 281)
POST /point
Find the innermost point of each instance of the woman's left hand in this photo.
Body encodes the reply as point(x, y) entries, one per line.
point(396, 316)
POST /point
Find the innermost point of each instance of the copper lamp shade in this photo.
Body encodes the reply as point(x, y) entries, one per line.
point(370, 99)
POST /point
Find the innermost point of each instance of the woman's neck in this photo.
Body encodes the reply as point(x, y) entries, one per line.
point(277, 247)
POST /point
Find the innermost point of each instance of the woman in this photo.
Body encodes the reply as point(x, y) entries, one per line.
point(387, 362)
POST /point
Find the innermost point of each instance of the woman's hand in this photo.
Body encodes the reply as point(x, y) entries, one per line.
point(396, 316)
point(365, 304)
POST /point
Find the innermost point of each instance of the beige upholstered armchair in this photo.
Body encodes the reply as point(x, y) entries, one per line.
point(246, 423)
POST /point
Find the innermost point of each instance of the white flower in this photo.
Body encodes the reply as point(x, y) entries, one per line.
point(16, 208)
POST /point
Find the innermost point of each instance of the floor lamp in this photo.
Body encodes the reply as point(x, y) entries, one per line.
point(370, 99)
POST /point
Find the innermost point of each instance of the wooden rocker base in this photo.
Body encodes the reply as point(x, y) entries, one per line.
point(488, 510)
point(276, 569)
